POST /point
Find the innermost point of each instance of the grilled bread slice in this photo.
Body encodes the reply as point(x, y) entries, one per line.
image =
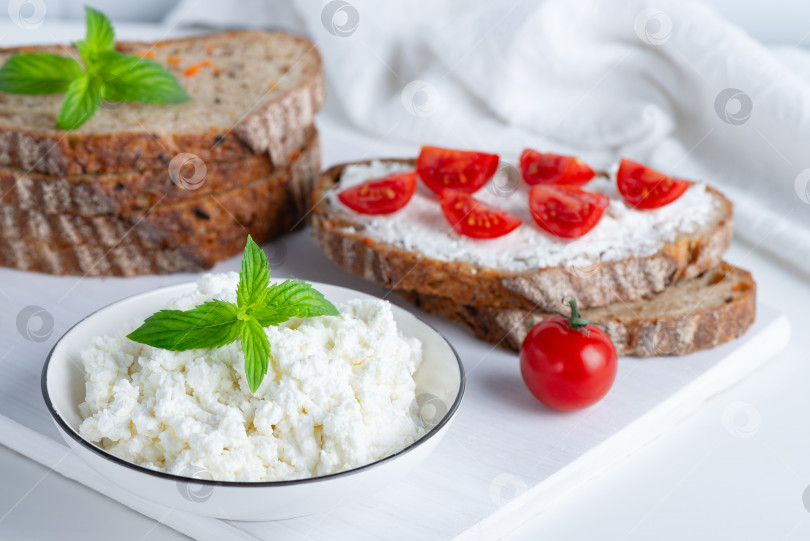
point(182, 178)
point(185, 236)
point(344, 240)
point(694, 314)
point(137, 254)
point(250, 90)
point(177, 223)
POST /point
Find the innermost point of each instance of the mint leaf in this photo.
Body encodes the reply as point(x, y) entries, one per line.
point(38, 73)
point(292, 298)
point(130, 78)
point(100, 35)
point(254, 277)
point(210, 325)
point(256, 348)
point(217, 323)
point(82, 100)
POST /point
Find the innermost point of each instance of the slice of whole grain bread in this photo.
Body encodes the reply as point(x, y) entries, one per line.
point(182, 178)
point(622, 280)
point(694, 314)
point(185, 236)
point(250, 90)
point(137, 254)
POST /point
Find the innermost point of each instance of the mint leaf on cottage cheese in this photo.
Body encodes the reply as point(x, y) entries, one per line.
point(210, 325)
point(292, 298)
point(218, 322)
point(256, 349)
point(254, 278)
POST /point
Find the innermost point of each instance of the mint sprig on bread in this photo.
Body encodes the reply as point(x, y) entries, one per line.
point(105, 75)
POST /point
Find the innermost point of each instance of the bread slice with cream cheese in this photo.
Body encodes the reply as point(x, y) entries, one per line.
point(416, 250)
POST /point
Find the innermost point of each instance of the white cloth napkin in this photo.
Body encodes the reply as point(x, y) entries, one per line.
point(669, 83)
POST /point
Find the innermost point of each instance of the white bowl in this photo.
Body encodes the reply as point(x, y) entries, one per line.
point(439, 385)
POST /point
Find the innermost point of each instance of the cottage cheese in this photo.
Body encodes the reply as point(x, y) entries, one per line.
point(622, 232)
point(338, 395)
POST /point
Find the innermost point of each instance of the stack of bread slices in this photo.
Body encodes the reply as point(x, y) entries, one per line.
point(164, 188)
point(677, 299)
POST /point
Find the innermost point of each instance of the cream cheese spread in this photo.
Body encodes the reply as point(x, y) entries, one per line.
point(622, 232)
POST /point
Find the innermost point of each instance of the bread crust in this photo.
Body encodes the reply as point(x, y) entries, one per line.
point(623, 280)
point(187, 237)
point(262, 130)
point(643, 335)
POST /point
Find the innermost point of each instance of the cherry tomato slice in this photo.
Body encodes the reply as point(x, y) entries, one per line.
point(381, 196)
point(472, 218)
point(566, 211)
point(644, 188)
point(540, 168)
point(567, 369)
point(442, 168)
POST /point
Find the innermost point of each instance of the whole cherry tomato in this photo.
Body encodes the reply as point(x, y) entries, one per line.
point(568, 363)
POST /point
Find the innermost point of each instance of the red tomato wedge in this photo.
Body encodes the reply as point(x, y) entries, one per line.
point(442, 168)
point(644, 188)
point(566, 211)
point(381, 196)
point(539, 168)
point(472, 218)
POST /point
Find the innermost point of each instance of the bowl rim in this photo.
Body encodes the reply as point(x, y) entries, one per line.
point(66, 428)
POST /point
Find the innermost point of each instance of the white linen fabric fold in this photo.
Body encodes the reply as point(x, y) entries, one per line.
point(669, 83)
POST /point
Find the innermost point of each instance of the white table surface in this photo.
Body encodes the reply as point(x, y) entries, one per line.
point(697, 482)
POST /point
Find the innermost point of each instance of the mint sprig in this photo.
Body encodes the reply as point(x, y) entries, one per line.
point(38, 73)
point(218, 323)
point(106, 75)
point(210, 325)
point(289, 299)
point(100, 34)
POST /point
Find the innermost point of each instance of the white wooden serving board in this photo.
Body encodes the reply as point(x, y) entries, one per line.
point(506, 457)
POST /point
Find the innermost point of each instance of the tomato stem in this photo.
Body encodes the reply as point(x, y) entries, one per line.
point(575, 320)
